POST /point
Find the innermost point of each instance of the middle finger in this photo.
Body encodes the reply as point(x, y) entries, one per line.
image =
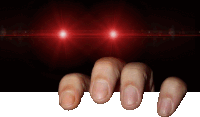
point(105, 74)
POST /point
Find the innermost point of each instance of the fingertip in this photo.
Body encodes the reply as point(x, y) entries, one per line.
point(172, 91)
point(69, 99)
point(107, 70)
point(100, 91)
point(71, 89)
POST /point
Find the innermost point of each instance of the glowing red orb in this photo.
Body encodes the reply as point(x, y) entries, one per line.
point(63, 34)
point(113, 34)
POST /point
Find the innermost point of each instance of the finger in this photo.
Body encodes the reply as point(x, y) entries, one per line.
point(71, 89)
point(172, 91)
point(105, 74)
point(135, 79)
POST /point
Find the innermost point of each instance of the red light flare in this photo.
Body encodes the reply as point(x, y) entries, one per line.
point(63, 34)
point(113, 34)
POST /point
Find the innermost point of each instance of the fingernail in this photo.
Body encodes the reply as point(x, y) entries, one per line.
point(130, 95)
point(165, 106)
point(68, 98)
point(100, 89)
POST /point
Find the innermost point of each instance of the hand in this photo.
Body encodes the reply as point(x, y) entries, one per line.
point(113, 75)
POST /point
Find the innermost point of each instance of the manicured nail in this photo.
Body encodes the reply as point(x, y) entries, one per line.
point(130, 95)
point(165, 106)
point(68, 98)
point(100, 89)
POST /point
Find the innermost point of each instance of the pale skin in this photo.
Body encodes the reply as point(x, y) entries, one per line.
point(135, 75)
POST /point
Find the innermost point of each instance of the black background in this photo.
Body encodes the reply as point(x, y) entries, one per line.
point(27, 65)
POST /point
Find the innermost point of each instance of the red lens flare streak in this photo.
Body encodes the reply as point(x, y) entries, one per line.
point(92, 33)
point(53, 45)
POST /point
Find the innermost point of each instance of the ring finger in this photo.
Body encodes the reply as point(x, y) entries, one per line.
point(135, 79)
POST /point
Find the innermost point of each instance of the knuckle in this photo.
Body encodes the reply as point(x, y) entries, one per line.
point(107, 59)
point(110, 61)
point(136, 65)
point(138, 69)
point(132, 71)
point(133, 67)
point(74, 76)
point(70, 79)
point(79, 80)
point(140, 64)
point(176, 82)
point(104, 63)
